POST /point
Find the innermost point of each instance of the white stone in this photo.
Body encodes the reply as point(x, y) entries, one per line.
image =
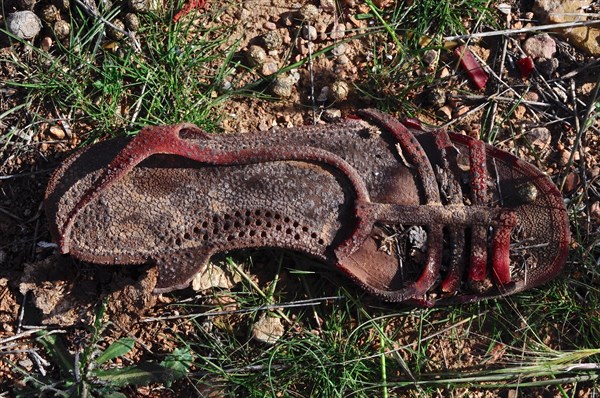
point(540, 46)
point(267, 330)
point(24, 24)
point(213, 277)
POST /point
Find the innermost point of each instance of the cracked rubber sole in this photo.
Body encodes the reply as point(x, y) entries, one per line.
point(427, 217)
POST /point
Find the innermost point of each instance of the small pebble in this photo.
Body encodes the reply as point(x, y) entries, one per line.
point(24, 24)
point(213, 277)
point(444, 112)
point(539, 136)
point(475, 129)
point(57, 132)
point(287, 39)
point(324, 94)
point(321, 27)
point(339, 90)
point(461, 110)
point(27, 364)
point(504, 8)
point(436, 97)
point(338, 31)
point(294, 76)
point(282, 86)
point(527, 193)
point(62, 29)
point(340, 70)
point(267, 330)
point(256, 55)
point(269, 68)
point(242, 14)
point(339, 49)
point(132, 22)
point(269, 25)
point(137, 5)
point(49, 13)
point(142, 5)
point(46, 43)
point(115, 32)
point(540, 46)
point(272, 40)
point(531, 96)
point(331, 115)
point(430, 57)
point(453, 101)
point(309, 32)
point(547, 66)
point(342, 59)
point(301, 46)
point(308, 13)
point(226, 86)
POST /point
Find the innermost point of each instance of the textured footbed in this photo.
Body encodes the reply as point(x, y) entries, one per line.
point(178, 212)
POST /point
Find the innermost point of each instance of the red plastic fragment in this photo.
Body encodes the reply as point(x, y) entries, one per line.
point(187, 7)
point(470, 64)
point(526, 66)
point(412, 123)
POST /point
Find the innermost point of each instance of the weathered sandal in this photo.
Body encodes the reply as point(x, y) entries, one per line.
point(408, 214)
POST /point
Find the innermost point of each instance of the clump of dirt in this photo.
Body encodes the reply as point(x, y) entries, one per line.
point(8, 308)
point(67, 293)
point(51, 284)
point(130, 298)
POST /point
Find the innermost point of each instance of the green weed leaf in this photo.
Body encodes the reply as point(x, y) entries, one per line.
point(175, 366)
point(139, 375)
point(116, 349)
point(54, 346)
point(179, 363)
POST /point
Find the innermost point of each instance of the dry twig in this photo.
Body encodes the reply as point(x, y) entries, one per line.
point(522, 30)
